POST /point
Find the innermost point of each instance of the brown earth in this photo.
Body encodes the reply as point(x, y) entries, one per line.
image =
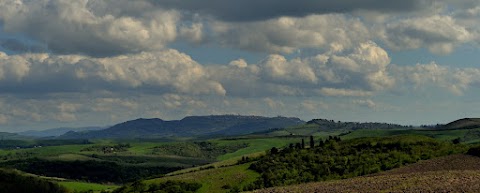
point(455, 173)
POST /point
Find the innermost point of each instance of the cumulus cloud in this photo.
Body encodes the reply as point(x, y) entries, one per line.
point(273, 104)
point(355, 72)
point(89, 27)
point(365, 67)
point(251, 10)
point(344, 92)
point(157, 72)
point(277, 68)
point(13, 68)
point(107, 104)
point(288, 34)
point(421, 76)
point(314, 106)
point(440, 34)
point(3, 119)
point(366, 103)
point(240, 63)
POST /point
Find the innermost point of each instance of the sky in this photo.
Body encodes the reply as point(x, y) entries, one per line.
point(82, 63)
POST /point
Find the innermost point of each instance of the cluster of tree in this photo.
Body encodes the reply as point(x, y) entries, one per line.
point(302, 145)
point(12, 181)
point(12, 144)
point(336, 159)
point(331, 124)
point(163, 187)
point(203, 149)
point(475, 151)
point(94, 171)
point(17, 155)
point(108, 148)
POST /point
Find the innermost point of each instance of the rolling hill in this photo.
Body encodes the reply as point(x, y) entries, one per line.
point(194, 126)
point(454, 173)
point(466, 123)
point(12, 136)
point(57, 131)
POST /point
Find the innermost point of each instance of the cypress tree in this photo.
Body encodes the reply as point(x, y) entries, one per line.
point(312, 142)
point(321, 143)
point(303, 144)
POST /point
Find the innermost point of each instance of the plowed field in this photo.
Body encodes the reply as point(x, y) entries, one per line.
point(455, 173)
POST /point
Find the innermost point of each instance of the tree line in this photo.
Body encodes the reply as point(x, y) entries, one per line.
point(12, 181)
point(337, 159)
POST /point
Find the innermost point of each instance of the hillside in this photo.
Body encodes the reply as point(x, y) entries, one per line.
point(454, 173)
point(330, 160)
point(331, 124)
point(57, 131)
point(194, 126)
point(12, 181)
point(324, 127)
point(12, 136)
point(466, 123)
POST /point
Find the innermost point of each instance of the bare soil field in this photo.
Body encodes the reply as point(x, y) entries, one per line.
point(455, 173)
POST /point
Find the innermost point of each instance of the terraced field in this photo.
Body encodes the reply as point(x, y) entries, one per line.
point(455, 173)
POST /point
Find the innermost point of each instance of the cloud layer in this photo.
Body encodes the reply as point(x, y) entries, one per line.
point(67, 62)
point(251, 10)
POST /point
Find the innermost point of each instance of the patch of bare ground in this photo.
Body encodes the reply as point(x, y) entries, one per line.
point(455, 173)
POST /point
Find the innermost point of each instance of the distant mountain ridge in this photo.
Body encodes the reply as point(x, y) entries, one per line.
point(12, 136)
point(57, 131)
point(221, 125)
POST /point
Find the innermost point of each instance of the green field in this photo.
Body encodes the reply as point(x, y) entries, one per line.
point(213, 180)
point(84, 186)
point(213, 170)
point(255, 145)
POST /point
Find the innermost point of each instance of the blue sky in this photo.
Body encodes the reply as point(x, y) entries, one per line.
point(99, 62)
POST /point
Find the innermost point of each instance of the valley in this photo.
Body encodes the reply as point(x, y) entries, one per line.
point(242, 160)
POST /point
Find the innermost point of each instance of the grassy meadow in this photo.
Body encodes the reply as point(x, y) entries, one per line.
point(212, 163)
point(74, 186)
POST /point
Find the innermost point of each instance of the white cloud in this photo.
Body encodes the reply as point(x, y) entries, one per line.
point(274, 104)
point(367, 103)
point(277, 68)
point(106, 104)
point(344, 92)
point(167, 70)
point(240, 63)
point(13, 68)
point(288, 34)
point(314, 106)
point(90, 27)
point(422, 76)
point(439, 33)
point(365, 67)
point(193, 33)
point(354, 72)
point(3, 119)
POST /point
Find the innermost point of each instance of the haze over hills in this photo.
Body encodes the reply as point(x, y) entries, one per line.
point(214, 125)
point(12, 136)
point(55, 132)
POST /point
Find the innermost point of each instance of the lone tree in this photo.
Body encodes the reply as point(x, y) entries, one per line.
point(312, 142)
point(303, 144)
